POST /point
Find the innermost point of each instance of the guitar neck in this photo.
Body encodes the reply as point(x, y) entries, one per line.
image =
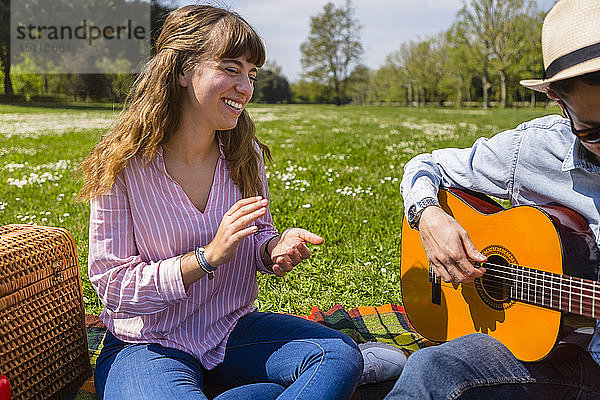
point(554, 291)
point(558, 292)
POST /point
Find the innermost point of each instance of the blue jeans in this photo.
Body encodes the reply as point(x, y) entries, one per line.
point(268, 356)
point(478, 366)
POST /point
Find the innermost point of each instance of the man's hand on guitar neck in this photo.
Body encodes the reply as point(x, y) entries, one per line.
point(448, 247)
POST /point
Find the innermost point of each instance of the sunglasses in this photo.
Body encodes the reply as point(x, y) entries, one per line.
point(589, 135)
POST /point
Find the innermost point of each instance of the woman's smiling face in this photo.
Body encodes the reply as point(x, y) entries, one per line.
point(217, 91)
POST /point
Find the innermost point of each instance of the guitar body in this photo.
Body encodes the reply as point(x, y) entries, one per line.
point(532, 236)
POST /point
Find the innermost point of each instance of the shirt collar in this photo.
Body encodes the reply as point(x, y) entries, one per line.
point(579, 157)
point(160, 150)
point(221, 148)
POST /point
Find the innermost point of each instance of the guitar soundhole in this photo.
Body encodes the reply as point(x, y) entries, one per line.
point(492, 290)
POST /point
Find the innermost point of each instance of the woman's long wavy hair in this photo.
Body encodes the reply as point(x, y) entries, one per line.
point(153, 108)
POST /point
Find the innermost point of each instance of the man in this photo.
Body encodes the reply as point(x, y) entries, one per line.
point(547, 160)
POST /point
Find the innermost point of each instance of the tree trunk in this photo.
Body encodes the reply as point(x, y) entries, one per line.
point(503, 95)
point(407, 95)
point(459, 92)
point(533, 98)
point(468, 90)
point(5, 59)
point(343, 92)
point(8, 88)
point(424, 96)
point(416, 93)
point(485, 86)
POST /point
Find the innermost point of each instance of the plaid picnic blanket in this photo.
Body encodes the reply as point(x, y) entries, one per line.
point(387, 323)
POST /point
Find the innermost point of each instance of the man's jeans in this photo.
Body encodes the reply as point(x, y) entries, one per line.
point(268, 356)
point(478, 366)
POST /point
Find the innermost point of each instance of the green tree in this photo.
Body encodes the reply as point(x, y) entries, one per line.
point(305, 91)
point(462, 63)
point(112, 84)
point(27, 84)
point(390, 82)
point(407, 59)
point(271, 86)
point(471, 54)
point(360, 85)
point(5, 45)
point(424, 63)
point(499, 27)
point(333, 46)
point(159, 9)
point(437, 62)
point(530, 63)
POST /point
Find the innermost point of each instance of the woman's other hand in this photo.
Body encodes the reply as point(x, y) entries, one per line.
point(234, 228)
point(291, 249)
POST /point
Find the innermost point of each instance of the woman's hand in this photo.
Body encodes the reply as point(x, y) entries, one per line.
point(448, 247)
point(234, 228)
point(291, 249)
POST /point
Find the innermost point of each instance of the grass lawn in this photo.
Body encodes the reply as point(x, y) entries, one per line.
point(336, 172)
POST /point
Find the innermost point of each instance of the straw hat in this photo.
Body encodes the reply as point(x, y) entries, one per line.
point(570, 42)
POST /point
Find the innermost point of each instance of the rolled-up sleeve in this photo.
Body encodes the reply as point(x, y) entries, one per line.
point(487, 167)
point(124, 281)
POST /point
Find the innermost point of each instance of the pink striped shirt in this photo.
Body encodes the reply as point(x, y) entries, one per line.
point(138, 232)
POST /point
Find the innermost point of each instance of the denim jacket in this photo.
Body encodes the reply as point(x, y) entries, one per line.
point(539, 162)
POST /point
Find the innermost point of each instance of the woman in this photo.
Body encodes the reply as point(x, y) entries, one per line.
point(179, 225)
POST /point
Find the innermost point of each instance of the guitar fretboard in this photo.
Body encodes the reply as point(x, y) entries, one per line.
point(558, 292)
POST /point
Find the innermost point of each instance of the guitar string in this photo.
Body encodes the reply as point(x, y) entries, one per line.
point(548, 278)
point(577, 305)
point(552, 297)
point(531, 290)
point(540, 276)
point(586, 306)
point(515, 267)
point(560, 287)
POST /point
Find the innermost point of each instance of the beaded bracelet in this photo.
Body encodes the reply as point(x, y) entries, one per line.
point(206, 267)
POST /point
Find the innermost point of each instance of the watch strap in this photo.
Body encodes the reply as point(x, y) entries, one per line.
point(414, 212)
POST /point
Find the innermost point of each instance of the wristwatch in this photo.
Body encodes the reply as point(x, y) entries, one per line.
point(414, 212)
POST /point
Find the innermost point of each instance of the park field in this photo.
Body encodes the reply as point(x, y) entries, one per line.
point(336, 171)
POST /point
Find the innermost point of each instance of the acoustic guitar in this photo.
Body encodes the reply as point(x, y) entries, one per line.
point(541, 265)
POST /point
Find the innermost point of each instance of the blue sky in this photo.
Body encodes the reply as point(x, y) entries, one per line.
point(386, 24)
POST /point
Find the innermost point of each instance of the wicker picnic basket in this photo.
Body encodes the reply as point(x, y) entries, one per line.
point(43, 342)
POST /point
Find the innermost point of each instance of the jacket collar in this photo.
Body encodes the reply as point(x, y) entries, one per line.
point(579, 157)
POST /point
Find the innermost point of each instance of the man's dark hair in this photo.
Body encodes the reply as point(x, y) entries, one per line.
point(564, 87)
